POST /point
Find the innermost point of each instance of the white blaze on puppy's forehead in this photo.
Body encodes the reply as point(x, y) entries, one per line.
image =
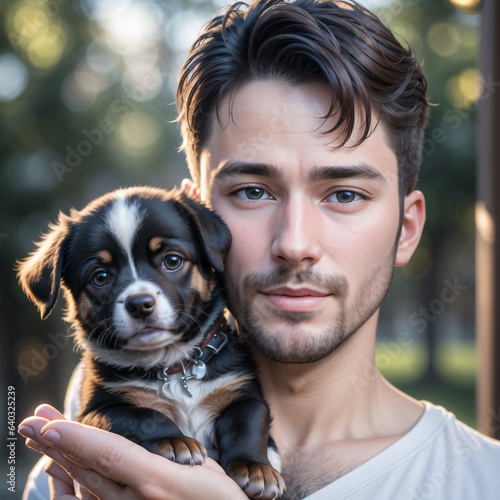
point(123, 220)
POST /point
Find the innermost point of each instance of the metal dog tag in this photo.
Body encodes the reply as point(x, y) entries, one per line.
point(164, 388)
point(200, 370)
point(163, 377)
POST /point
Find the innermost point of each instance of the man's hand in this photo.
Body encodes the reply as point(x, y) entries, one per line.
point(110, 467)
point(190, 189)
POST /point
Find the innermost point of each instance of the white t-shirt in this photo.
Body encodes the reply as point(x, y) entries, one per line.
point(439, 459)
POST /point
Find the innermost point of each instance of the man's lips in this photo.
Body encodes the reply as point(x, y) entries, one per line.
point(296, 299)
point(295, 292)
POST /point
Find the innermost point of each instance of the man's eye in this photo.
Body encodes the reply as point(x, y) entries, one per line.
point(173, 262)
point(253, 193)
point(100, 278)
point(345, 196)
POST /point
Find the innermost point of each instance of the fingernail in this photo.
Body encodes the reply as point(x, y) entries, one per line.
point(52, 437)
point(26, 431)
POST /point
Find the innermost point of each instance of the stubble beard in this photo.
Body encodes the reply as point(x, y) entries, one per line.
point(294, 343)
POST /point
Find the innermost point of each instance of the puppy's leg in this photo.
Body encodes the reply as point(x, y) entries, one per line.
point(242, 432)
point(152, 430)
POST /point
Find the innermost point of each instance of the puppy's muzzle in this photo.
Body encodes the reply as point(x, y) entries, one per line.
point(140, 305)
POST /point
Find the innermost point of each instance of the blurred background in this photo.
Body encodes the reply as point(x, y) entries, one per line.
point(87, 105)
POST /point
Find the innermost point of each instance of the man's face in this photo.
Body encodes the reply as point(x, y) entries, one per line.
point(314, 228)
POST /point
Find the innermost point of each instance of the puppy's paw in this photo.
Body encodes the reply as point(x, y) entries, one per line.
point(258, 481)
point(183, 450)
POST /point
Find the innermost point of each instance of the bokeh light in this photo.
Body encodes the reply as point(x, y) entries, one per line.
point(464, 89)
point(142, 82)
point(32, 172)
point(183, 27)
point(81, 89)
point(407, 34)
point(14, 77)
point(468, 6)
point(102, 10)
point(130, 29)
point(138, 133)
point(419, 265)
point(32, 362)
point(101, 60)
point(443, 38)
point(37, 31)
point(47, 47)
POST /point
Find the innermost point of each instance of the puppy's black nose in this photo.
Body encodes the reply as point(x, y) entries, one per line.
point(141, 305)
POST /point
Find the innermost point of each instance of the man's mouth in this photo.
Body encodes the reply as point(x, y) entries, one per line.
point(301, 299)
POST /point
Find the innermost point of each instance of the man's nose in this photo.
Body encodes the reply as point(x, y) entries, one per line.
point(297, 234)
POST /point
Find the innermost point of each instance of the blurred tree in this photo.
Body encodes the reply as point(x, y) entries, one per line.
point(445, 41)
point(87, 92)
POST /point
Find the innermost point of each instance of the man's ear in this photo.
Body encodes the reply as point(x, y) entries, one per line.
point(412, 226)
point(190, 189)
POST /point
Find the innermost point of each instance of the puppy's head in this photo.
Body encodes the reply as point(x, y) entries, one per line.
point(142, 273)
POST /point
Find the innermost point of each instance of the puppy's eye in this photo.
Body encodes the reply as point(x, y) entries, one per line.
point(173, 262)
point(100, 278)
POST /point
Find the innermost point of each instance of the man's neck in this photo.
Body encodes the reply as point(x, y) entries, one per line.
point(342, 396)
point(331, 416)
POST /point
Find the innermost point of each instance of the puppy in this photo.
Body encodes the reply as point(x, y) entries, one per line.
point(142, 274)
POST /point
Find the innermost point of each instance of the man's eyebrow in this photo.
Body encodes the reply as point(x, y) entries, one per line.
point(233, 167)
point(361, 170)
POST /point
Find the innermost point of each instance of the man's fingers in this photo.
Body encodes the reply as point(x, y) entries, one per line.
point(31, 428)
point(48, 412)
point(190, 189)
point(63, 487)
point(60, 484)
point(91, 480)
point(114, 456)
point(97, 449)
point(114, 468)
point(57, 473)
point(83, 494)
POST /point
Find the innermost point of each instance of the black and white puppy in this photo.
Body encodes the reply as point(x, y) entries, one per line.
point(142, 273)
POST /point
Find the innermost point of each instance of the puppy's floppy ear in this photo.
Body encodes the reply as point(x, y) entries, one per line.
point(40, 274)
point(214, 235)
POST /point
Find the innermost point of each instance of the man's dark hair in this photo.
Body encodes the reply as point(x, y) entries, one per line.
point(340, 44)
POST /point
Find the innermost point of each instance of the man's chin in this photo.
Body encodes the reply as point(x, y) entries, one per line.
point(287, 357)
point(293, 318)
point(293, 347)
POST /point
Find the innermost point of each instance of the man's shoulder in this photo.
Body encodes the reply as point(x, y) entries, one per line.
point(453, 461)
point(454, 428)
point(458, 446)
point(440, 458)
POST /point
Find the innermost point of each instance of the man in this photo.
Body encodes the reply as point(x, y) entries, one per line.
point(303, 127)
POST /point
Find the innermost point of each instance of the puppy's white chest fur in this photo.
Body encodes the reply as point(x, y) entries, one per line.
point(194, 415)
